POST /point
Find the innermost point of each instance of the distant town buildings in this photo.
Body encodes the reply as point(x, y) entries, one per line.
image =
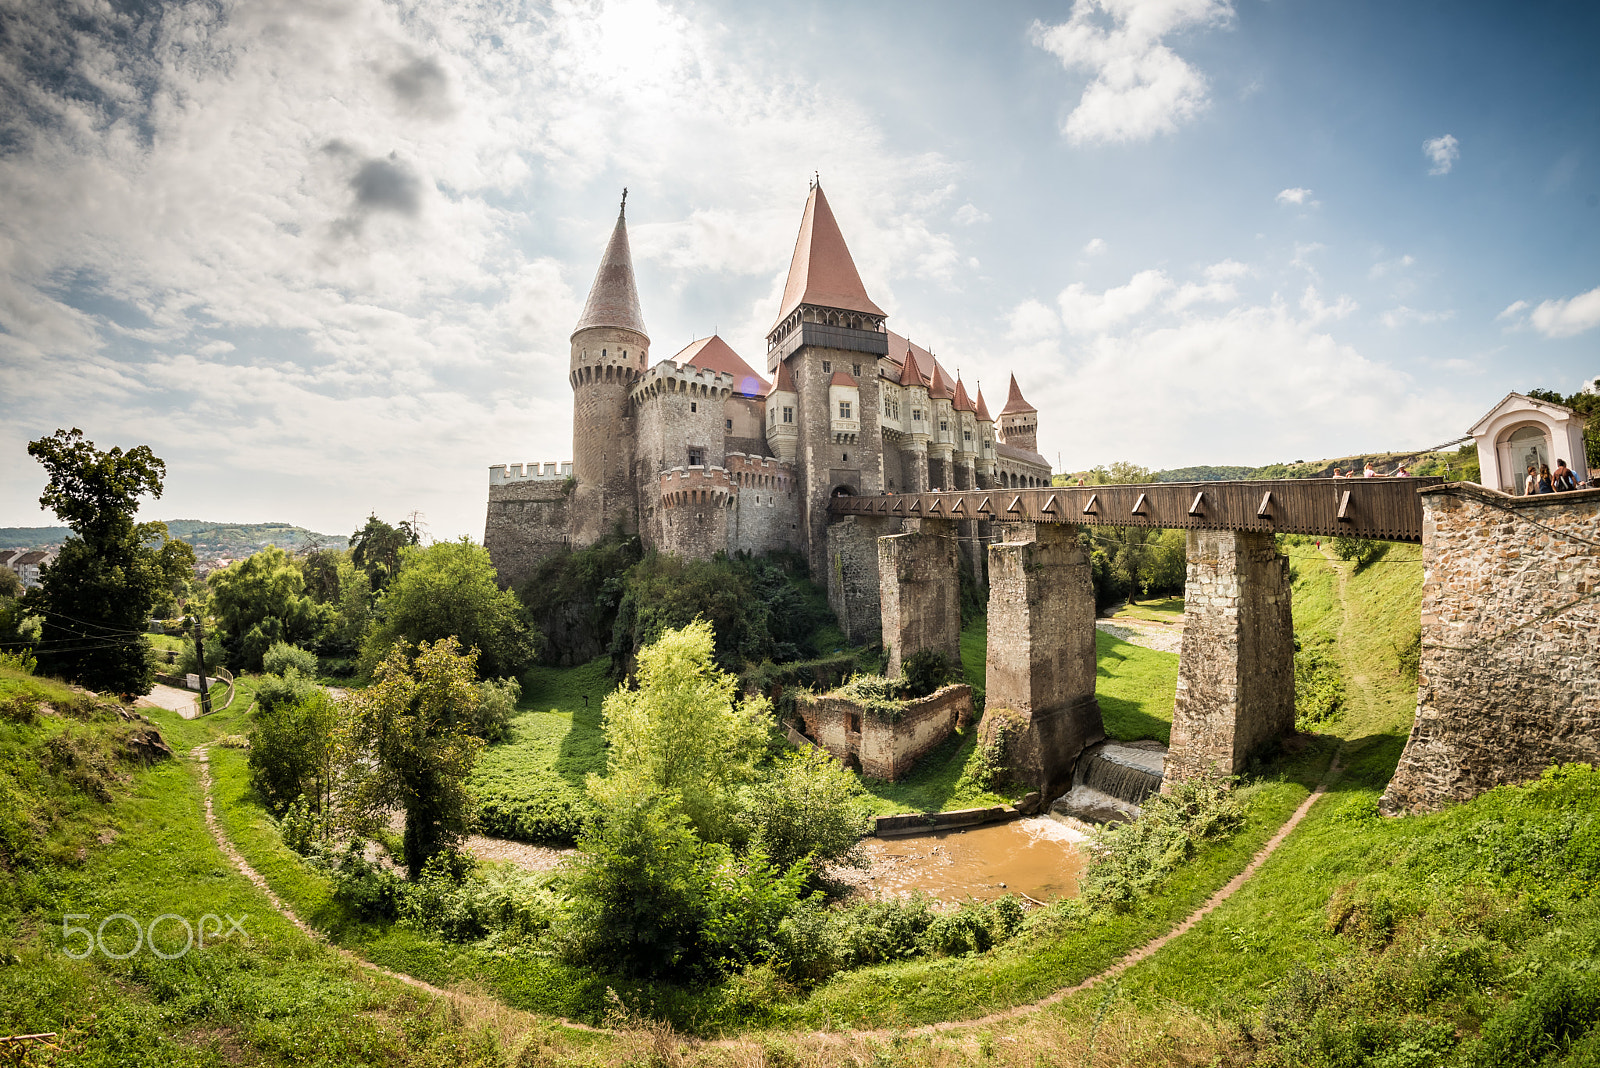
point(26, 563)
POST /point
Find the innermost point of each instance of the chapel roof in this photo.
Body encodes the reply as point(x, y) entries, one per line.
point(822, 271)
point(1510, 401)
point(714, 354)
point(1016, 403)
point(614, 298)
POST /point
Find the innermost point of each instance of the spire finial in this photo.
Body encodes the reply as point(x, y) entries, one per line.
point(624, 209)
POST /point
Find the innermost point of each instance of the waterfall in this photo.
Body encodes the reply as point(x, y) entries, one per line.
point(1111, 781)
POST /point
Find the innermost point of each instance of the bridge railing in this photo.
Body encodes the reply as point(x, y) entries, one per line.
point(1387, 509)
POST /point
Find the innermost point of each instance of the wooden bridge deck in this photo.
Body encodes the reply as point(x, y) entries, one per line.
point(1387, 509)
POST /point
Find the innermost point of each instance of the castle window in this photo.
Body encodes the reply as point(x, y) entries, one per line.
point(602, 354)
point(729, 422)
point(858, 370)
point(967, 434)
point(844, 409)
point(788, 415)
point(827, 367)
point(916, 414)
point(697, 457)
point(694, 406)
point(944, 425)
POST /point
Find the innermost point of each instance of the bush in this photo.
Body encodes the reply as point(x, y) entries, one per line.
point(1543, 1024)
point(552, 813)
point(1318, 688)
point(292, 751)
point(1128, 860)
point(495, 710)
point(372, 891)
point(281, 658)
point(462, 903)
point(188, 664)
point(926, 670)
point(810, 807)
point(278, 691)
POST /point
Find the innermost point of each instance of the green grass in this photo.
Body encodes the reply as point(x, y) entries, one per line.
point(1135, 687)
point(1160, 610)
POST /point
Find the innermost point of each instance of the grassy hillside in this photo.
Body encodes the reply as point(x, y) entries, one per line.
point(208, 538)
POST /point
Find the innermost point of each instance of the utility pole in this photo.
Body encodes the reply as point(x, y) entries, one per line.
point(200, 661)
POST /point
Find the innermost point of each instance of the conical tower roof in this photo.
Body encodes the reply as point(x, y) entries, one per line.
point(911, 371)
point(962, 402)
point(614, 299)
point(785, 382)
point(983, 409)
point(940, 387)
point(1016, 403)
point(822, 271)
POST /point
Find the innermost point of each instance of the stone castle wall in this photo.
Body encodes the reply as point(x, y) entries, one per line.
point(766, 512)
point(853, 585)
point(526, 525)
point(823, 463)
point(1509, 678)
point(606, 361)
point(695, 505)
point(920, 592)
point(881, 748)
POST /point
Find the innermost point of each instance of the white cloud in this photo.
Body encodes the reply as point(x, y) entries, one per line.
point(968, 214)
point(1227, 271)
point(1319, 312)
point(1303, 254)
point(1140, 86)
point(1566, 318)
point(1442, 153)
point(1095, 246)
point(1033, 320)
point(1087, 313)
point(1404, 316)
point(1386, 267)
point(1297, 195)
point(1513, 310)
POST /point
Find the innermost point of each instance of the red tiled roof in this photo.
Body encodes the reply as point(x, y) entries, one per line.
point(1015, 402)
point(983, 409)
point(714, 354)
point(614, 299)
point(822, 271)
point(842, 378)
point(962, 402)
point(940, 388)
point(785, 383)
point(911, 371)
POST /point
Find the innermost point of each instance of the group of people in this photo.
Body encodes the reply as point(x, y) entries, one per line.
point(1370, 472)
point(1543, 480)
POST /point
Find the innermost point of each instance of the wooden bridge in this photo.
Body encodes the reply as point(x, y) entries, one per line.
point(1386, 509)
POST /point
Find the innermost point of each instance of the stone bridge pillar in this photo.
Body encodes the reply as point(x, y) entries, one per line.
point(1040, 674)
point(853, 583)
point(1236, 670)
point(920, 591)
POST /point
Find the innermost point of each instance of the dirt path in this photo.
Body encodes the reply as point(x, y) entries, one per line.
point(184, 702)
point(479, 1005)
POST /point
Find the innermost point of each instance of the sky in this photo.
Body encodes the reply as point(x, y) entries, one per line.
point(324, 256)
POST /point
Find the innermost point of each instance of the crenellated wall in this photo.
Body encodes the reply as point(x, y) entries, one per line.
point(694, 505)
point(766, 512)
point(528, 522)
point(1509, 678)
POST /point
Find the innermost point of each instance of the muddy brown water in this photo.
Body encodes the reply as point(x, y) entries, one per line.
point(1039, 857)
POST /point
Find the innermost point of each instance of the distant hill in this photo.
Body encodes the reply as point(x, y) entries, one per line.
point(1204, 473)
point(209, 539)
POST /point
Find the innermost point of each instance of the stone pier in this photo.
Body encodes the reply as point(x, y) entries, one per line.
point(1040, 674)
point(1236, 670)
point(853, 583)
point(920, 592)
point(1509, 677)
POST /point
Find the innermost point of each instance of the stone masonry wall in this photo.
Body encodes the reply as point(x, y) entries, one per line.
point(1236, 670)
point(822, 462)
point(603, 430)
point(766, 515)
point(1509, 679)
point(1041, 661)
point(884, 749)
point(694, 506)
point(527, 524)
point(920, 592)
point(854, 590)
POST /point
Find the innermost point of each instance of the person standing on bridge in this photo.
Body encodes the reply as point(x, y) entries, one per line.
point(1544, 479)
point(1530, 485)
point(1370, 472)
point(1563, 479)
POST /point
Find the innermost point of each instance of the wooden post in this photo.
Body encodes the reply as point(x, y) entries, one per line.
point(200, 662)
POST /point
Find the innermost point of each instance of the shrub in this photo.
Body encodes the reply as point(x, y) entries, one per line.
point(808, 807)
point(1544, 1023)
point(552, 813)
point(926, 670)
point(281, 658)
point(292, 751)
point(280, 691)
point(372, 891)
point(1318, 688)
point(495, 710)
point(1128, 860)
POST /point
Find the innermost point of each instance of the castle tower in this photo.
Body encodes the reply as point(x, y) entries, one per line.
point(783, 419)
point(964, 424)
point(941, 436)
point(985, 461)
point(1019, 421)
point(827, 325)
point(918, 416)
point(610, 350)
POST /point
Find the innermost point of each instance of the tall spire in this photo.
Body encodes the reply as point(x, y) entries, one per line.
point(822, 271)
point(1015, 402)
point(614, 299)
point(983, 409)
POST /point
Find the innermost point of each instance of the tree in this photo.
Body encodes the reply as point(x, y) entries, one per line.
point(375, 548)
point(810, 807)
point(262, 600)
point(96, 598)
point(449, 590)
point(292, 749)
point(682, 732)
point(409, 745)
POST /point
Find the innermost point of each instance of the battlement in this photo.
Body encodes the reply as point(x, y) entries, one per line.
point(668, 377)
point(698, 485)
point(764, 472)
point(552, 470)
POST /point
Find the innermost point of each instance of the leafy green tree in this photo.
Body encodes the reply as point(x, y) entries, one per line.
point(282, 658)
point(684, 732)
point(409, 744)
point(176, 561)
point(808, 807)
point(449, 590)
point(11, 586)
point(376, 547)
point(292, 751)
point(262, 600)
point(95, 599)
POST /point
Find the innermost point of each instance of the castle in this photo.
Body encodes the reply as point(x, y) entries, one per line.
point(700, 454)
